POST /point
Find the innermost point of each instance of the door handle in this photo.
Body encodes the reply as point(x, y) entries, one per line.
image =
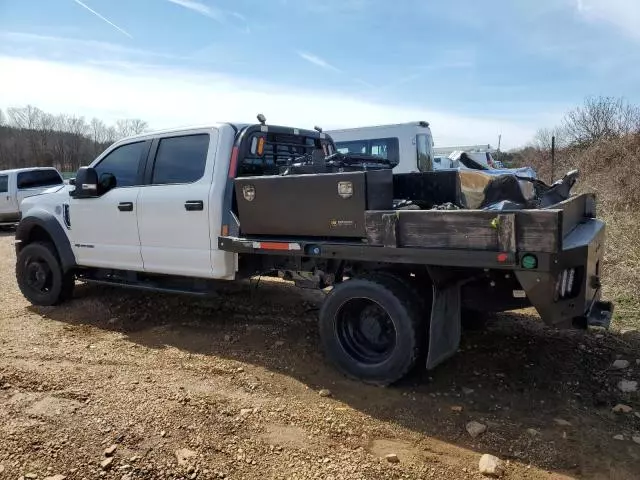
point(125, 206)
point(193, 205)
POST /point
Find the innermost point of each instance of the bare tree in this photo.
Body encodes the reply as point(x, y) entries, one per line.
point(543, 138)
point(33, 137)
point(601, 118)
point(127, 127)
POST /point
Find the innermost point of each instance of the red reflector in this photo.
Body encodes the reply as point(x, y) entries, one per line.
point(503, 257)
point(274, 246)
point(233, 164)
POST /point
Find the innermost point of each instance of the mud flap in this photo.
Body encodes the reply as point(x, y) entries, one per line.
point(445, 327)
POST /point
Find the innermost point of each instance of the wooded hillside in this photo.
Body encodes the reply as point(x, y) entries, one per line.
point(31, 137)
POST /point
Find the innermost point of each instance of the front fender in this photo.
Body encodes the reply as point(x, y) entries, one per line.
point(26, 234)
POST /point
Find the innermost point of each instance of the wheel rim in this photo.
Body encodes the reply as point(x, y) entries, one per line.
point(39, 276)
point(365, 331)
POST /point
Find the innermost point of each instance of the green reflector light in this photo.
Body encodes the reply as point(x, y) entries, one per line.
point(529, 261)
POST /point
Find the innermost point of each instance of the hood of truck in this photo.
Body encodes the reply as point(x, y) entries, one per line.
point(49, 198)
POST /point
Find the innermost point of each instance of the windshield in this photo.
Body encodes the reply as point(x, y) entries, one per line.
point(425, 152)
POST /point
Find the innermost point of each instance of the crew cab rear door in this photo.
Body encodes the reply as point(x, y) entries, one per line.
point(173, 206)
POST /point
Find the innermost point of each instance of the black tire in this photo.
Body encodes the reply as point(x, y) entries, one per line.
point(372, 329)
point(40, 276)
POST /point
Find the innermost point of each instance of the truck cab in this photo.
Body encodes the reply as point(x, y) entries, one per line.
point(18, 184)
point(153, 203)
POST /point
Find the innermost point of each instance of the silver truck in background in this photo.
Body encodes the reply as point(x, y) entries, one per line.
point(18, 184)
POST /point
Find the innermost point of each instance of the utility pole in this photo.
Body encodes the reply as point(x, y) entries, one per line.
point(553, 155)
point(499, 141)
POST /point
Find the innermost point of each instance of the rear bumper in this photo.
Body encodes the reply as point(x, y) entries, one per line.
point(568, 295)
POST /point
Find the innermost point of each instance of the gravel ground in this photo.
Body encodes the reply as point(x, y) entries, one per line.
point(124, 385)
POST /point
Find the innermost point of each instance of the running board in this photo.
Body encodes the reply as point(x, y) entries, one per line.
point(141, 286)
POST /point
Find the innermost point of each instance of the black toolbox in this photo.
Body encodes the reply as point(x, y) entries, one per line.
point(314, 205)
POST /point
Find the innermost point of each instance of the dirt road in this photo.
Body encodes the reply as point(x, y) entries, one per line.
point(229, 387)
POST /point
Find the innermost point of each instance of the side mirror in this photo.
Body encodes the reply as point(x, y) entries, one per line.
point(86, 183)
point(72, 181)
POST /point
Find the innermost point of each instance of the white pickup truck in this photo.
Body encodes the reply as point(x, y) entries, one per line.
point(179, 210)
point(18, 184)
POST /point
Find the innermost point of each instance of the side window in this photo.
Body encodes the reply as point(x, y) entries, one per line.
point(38, 179)
point(425, 153)
point(180, 159)
point(4, 183)
point(387, 148)
point(359, 147)
point(123, 164)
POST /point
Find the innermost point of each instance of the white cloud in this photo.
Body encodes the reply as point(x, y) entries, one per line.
point(168, 97)
point(200, 8)
point(121, 30)
point(622, 14)
point(318, 61)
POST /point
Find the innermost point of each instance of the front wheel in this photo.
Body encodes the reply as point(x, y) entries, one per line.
point(40, 276)
point(372, 329)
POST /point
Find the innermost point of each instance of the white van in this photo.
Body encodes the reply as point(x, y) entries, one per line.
point(407, 146)
point(18, 184)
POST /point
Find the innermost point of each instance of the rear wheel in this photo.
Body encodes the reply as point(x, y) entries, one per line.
point(40, 276)
point(371, 329)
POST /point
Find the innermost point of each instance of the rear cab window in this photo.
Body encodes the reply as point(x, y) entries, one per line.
point(38, 179)
point(266, 153)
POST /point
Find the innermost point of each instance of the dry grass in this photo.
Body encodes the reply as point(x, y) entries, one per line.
point(611, 169)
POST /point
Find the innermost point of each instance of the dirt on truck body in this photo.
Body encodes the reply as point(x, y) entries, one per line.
point(120, 384)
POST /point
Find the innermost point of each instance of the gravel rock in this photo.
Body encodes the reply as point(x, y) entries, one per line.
point(31, 475)
point(456, 408)
point(620, 364)
point(325, 392)
point(108, 452)
point(392, 458)
point(628, 386)
point(490, 466)
point(636, 439)
point(55, 477)
point(475, 429)
point(467, 391)
point(533, 432)
point(106, 463)
point(183, 456)
point(562, 422)
point(621, 408)
point(618, 437)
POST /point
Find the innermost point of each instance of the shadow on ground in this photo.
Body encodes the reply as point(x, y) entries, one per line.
point(516, 376)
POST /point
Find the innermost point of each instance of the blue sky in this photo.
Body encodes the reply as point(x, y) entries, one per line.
point(474, 69)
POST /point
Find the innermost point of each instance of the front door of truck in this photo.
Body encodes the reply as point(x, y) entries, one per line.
point(104, 230)
point(173, 208)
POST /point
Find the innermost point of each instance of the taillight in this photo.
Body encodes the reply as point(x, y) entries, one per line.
point(566, 284)
point(233, 163)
